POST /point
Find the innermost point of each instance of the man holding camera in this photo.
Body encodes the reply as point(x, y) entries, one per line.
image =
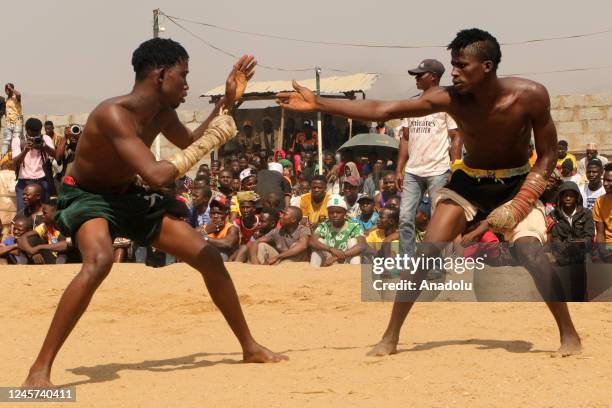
point(65, 149)
point(32, 159)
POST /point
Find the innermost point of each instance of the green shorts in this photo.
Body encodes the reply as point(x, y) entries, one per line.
point(135, 214)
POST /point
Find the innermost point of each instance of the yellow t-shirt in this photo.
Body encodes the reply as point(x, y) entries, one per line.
point(13, 111)
point(377, 235)
point(602, 212)
point(567, 156)
point(50, 235)
point(315, 212)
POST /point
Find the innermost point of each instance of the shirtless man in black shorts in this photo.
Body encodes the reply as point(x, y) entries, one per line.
point(99, 199)
point(496, 117)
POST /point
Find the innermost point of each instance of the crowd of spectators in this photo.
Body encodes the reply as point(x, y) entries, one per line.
point(264, 201)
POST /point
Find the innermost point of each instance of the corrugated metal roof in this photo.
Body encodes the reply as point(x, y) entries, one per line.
point(329, 85)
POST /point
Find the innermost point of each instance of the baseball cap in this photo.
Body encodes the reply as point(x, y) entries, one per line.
point(336, 200)
point(352, 180)
point(364, 197)
point(428, 65)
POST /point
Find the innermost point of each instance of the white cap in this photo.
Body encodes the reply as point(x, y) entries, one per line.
point(274, 166)
point(248, 172)
point(336, 200)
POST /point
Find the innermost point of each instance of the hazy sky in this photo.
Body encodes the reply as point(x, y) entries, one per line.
point(67, 55)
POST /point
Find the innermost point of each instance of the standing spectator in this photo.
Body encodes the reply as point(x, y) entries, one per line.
point(50, 131)
point(351, 192)
point(14, 118)
point(307, 139)
point(591, 153)
point(424, 160)
point(222, 234)
point(235, 185)
point(65, 149)
point(32, 160)
point(337, 239)
point(368, 217)
point(562, 154)
point(289, 134)
point(247, 139)
point(309, 168)
point(382, 129)
point(268, 220)
point(314, 204)
point(287, 243)
point(602, 215)
point(199, 213)
point(594, 188)
point(299, 190)
point(369, 165)
point(389, 189)
point(568, 173)
point(268, 136)
point(248, 224)
point(331, 136)
point(270, 180)
point(384, 240)
point(32, 204)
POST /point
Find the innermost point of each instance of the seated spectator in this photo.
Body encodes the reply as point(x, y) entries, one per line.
point(591, 153)
point(45, 244)
point(225, 183)
point(199, 213)
point(289, 243)
point(248, 223)
point(351, 192)
point(234, 167)
point(384, 240)
point(9, 249)
point(567, 172)
point(32, 158)
point(268, 220)
point(389, 189)
point(562, 155)
point(288, 171)
point(32, 199)
point(235, 185)
point(309, 168)
point(574, 227)
point(314, 204)
point(478, 241)
point(300, 189)
point(393, 202)
point(594, 188)
point(337, 239)
point(248, 182)
point(222, 234)
point(421, 220)
point(370, 185)
point(602, 215)
point(368, 216)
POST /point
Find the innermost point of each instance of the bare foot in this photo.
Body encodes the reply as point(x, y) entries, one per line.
point(260, 354)
point(384, 348)
point(569, 346)
point(38, 380)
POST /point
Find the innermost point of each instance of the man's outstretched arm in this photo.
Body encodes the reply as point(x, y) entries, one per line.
point(304, 100)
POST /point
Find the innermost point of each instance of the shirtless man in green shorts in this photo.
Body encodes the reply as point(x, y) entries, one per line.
point(99, 199)
point(496, 117)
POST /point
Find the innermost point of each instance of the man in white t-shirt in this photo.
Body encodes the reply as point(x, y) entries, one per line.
point(428, 145)
point(594, 189)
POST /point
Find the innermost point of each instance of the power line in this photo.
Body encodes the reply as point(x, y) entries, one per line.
point(344, 71)
point(392, 46)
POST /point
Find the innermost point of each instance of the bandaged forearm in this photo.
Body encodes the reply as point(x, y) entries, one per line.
point(508, 215)
point(221, 129)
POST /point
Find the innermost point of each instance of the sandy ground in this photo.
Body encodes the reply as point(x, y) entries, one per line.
point(153, 338)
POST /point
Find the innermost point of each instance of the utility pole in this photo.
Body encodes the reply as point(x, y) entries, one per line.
point(319, 131)
point(155, 35)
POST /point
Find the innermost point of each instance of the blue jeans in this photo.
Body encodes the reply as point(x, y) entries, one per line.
point(414, 188)
point(10, 131)
point(21, 185)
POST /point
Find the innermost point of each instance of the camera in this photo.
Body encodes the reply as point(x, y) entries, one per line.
point(36, 140)
point(76, 129)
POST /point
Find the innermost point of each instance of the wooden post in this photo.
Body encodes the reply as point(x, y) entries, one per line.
point(350, 122)
point(282, 128)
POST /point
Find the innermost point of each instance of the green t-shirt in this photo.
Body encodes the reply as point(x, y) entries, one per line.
point(338, 238)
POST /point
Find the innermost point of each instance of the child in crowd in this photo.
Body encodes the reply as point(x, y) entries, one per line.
point(9, 249)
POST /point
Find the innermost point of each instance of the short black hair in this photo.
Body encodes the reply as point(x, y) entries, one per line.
point(157, 53)
point(394, 213)
point(296, 211)
point(274, 213)
point(48, 122)
point(562, 143)
point(33, 124)
point(485, 45)
point(319, 177)
point(608, 167)
point(595, 162)
point(205, 190)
